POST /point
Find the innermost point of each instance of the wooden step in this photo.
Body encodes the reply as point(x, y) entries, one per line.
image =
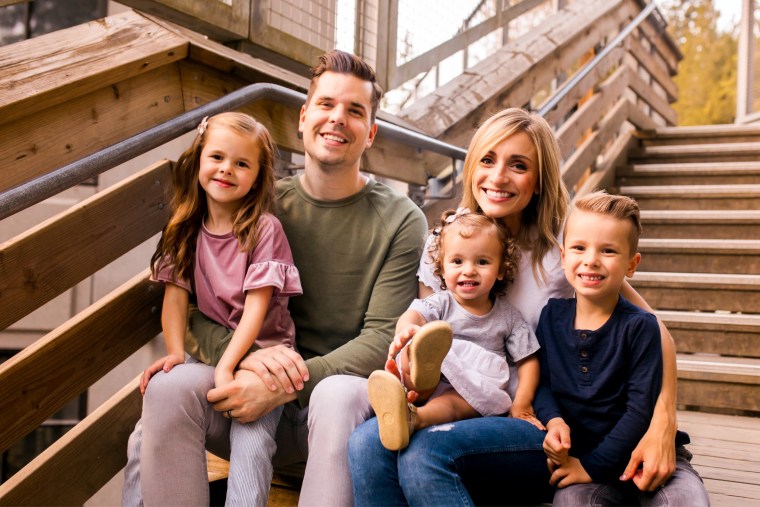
point(715, 382)
point(703, 197)
point(728, 334)
point(726, 454)
point(703, 134)
point(688, 153)
point(699, 292)
point(740, 256)
point(690, 174)
point(284, 491)
point(684, 224)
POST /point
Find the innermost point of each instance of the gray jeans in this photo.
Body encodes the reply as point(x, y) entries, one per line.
point(167, 463)
point(684, 488)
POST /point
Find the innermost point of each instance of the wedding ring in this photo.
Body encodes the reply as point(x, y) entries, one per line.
point(229, 413)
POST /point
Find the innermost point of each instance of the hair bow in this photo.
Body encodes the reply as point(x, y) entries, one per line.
point(203, 126)
point(460, 212)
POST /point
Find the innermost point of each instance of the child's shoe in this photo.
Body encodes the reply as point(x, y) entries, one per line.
point(426, 352)
point(395, 417)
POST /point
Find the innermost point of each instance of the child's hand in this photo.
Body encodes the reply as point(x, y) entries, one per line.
point(401, 339)
point(525, 411)
point(557, 441)
point(166, 363)
point(222, 377)
point(572, 472)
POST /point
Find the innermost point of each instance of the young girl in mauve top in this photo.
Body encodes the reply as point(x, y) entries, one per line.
point(223, 248)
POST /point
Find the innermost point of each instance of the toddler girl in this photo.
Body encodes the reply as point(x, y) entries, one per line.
point(224, 248)
point(474, 257)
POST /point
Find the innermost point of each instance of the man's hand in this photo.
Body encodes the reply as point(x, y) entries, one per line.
point(572, 472)
point(652, 462)
point(278, 367)
point(247, 398)
point(166, 363)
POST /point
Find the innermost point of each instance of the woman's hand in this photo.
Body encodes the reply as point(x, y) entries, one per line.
point(278, 366)
point(166, 363)
point(653, 461)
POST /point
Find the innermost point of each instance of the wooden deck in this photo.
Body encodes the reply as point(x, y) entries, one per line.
point(727, 455)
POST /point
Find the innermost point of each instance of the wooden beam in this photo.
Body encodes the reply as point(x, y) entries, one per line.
point(604, 176)
point(63, 133)
point(586, 154)
point(86, 58)
point(429, 59)
point(654, 67)
point(591, 112)
point(658, 103)
point(612, 61)
point(83, 460)
point(512, 75)
point(42, 378)
point(49, 259)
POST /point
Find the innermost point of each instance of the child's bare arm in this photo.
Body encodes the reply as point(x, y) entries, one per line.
point(254, 312)
point(528, 376)
point(174, 324)
point(408, 324)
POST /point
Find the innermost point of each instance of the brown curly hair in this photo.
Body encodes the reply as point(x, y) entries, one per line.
point(466, 225)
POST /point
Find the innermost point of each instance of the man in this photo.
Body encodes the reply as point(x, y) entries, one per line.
point(357, 246)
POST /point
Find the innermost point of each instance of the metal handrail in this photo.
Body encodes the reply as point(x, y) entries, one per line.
point(22, 196)
point(571, 83)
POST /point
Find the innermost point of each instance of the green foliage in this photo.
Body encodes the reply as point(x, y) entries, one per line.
point(706, 77)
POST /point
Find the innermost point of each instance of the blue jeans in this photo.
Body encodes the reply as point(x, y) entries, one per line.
point(484, 461)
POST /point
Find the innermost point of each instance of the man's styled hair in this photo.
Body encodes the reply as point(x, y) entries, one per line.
point(346, 63)
point(618, 206)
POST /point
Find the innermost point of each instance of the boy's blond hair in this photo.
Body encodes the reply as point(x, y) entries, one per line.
point(618, 206)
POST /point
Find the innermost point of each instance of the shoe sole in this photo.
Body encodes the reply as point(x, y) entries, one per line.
point(426, 352)
point(388, 400)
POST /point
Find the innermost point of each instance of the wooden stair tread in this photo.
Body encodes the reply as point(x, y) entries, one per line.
point(719, 369)
point(704, 246)
point(727, 130)
point(692, 190)
point(697, 216)
point(706, 280)
point(722, 320)
point(713, 149)
point(707, 168)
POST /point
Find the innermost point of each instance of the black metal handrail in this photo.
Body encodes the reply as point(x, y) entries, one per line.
point(34, 191)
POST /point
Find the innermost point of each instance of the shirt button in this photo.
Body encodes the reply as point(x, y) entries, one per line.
point(584, 336)
point(584, 369)
point(584, 353)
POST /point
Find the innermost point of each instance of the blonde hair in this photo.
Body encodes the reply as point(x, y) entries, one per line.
point(188, 203)
point(466, 225)
point(618, 206)
point(544, 215)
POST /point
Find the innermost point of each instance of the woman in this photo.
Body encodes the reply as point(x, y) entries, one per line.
point(511, 172)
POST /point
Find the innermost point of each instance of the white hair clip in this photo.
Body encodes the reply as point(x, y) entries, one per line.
point(203, 126)
point(458, 213)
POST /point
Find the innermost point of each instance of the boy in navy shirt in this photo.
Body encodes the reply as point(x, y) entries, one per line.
point(601, 366)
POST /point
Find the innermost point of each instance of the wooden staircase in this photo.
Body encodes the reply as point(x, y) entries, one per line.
point(699, 190)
